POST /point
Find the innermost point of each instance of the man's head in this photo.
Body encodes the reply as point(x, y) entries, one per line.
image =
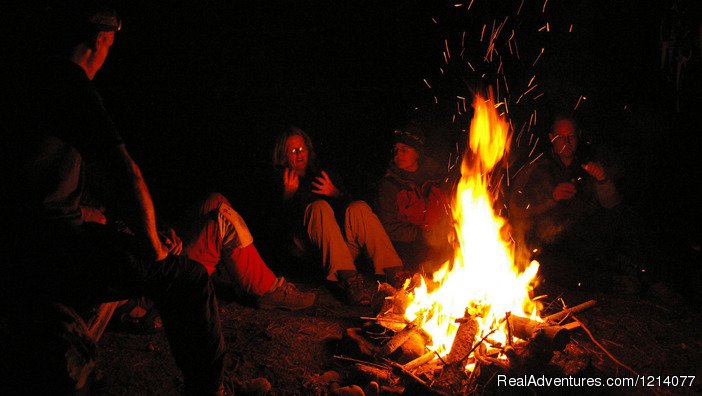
point(564, 138)
point(83, 31)
point(408, 148)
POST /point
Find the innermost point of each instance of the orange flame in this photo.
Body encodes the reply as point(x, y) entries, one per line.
point(483, 279)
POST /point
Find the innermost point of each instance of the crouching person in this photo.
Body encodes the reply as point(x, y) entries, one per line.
point(57, 126)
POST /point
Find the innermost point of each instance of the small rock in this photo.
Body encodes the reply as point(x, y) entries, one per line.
point(373, 389)
point(351, 390)
point(331, 376)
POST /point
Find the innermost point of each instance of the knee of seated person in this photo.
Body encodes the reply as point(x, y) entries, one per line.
point(320, 207)
point(213, 201)
point(359, 207)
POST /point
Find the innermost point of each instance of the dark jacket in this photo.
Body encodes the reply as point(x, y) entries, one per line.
point(408, 203)
point(532, 204)
point(61, 127)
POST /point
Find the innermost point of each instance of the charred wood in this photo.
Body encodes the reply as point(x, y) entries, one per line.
point(382, 375)
point(415, 385)
point(357, 344)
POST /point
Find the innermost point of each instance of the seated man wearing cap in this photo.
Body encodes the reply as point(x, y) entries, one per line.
point(411, 204)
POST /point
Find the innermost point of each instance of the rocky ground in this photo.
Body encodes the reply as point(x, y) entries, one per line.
point(652, 334)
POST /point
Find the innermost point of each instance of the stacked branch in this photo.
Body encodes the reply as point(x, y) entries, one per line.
point(530, 344)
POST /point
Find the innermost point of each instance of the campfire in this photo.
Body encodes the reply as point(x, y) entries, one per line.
point(482, 282)
point(476, 311)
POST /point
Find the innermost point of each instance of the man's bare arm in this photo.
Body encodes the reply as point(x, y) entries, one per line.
point(128, 196)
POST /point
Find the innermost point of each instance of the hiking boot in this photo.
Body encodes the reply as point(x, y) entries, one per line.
point(354, 287)
point(286, 296)
point(396, 276)
point(139, 316)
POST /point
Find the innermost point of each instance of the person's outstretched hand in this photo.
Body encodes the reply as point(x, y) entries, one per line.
point(324, 186)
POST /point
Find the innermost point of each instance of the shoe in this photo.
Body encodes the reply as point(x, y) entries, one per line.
point(396, 276)
point(354, 287)
point(138, 316)
point(286, 296)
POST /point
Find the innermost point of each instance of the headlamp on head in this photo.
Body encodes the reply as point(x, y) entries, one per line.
point(411, 136)
point(400, 133)
point(106, 23)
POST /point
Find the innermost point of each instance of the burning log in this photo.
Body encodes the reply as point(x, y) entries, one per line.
point(453, 376)
point(403, 335)
point(420, 361)
point(412, 348)
point(550, 337)
point(463, 342)
point(482, 355)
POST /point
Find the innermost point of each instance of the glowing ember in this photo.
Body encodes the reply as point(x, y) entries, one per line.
point(482, 280)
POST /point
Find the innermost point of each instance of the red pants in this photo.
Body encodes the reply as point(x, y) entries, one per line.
point(215, 234)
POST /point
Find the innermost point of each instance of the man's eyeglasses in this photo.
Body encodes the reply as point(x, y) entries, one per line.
point(297, 150)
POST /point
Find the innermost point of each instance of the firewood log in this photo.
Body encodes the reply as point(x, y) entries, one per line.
point(554, 338)
point(403, 335)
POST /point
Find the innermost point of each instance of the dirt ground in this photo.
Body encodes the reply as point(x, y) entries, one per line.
point(294, 349)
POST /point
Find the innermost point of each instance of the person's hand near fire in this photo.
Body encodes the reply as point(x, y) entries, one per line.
point(291, 182)
point(567, 190)
point(324, 186)
point(595, 170)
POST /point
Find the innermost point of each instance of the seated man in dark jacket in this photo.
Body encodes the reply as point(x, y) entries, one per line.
point(412, 205)
point(568, 211)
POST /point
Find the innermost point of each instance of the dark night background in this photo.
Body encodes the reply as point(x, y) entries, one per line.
point(200, 90)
